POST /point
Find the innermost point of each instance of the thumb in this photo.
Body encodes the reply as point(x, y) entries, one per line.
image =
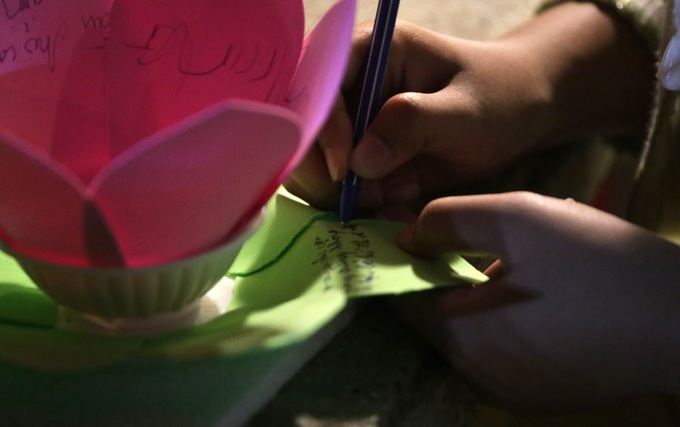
point(468, 224)
point(400, 130)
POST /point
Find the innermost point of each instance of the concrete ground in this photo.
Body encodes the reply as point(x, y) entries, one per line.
point(471, 19)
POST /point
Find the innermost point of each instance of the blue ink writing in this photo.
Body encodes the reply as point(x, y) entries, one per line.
point(13, 8)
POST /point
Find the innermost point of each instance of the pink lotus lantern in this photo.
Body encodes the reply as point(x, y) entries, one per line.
point(139, 135)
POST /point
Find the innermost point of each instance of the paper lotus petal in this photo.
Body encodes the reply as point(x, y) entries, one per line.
point(202, 185)
point(318, 76)
point(135, 133)
point(162, 54)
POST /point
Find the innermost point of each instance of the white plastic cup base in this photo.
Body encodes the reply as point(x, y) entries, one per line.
point(210, 306)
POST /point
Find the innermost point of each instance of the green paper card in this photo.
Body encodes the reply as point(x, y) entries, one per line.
point(292, 278)
point(312, 251)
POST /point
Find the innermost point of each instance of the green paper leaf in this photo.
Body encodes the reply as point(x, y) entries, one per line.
point(53, 350)
point(246, 330)
point(292, 278)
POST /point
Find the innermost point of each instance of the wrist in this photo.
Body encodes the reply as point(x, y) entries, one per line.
point(580, 51)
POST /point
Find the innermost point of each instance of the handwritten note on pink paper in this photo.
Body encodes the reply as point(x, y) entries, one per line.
point(134, 133)
point(52, 77)
point(167, 60)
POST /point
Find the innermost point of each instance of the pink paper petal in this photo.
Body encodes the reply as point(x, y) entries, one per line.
point(51, 79)
point(43, 212)
point(317, 80)
point(171, 59)
point(183, 190)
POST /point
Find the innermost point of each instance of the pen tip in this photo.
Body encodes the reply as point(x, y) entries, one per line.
point(346, 214)
point(348, 197)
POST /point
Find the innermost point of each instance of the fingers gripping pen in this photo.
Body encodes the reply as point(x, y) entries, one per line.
point(379, 50)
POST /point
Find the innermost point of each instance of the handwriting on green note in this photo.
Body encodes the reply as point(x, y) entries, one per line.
point(348, 261)
point(301, 249)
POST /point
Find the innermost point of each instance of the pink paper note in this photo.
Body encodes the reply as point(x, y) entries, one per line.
point(171, 59)
point(51, 79)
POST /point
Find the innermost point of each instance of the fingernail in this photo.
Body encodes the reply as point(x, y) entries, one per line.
point(372, 157)
point(335, 164)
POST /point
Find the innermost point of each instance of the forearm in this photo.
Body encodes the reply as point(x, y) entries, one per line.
point(660, 359)
point(596, 71)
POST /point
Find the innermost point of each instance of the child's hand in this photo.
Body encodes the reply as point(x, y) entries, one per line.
point(457, 111)
point(584, 307)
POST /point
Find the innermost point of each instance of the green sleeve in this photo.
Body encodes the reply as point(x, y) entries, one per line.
point(646, 16)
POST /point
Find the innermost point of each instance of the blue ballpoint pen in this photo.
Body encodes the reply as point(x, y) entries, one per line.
point(381, 39)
